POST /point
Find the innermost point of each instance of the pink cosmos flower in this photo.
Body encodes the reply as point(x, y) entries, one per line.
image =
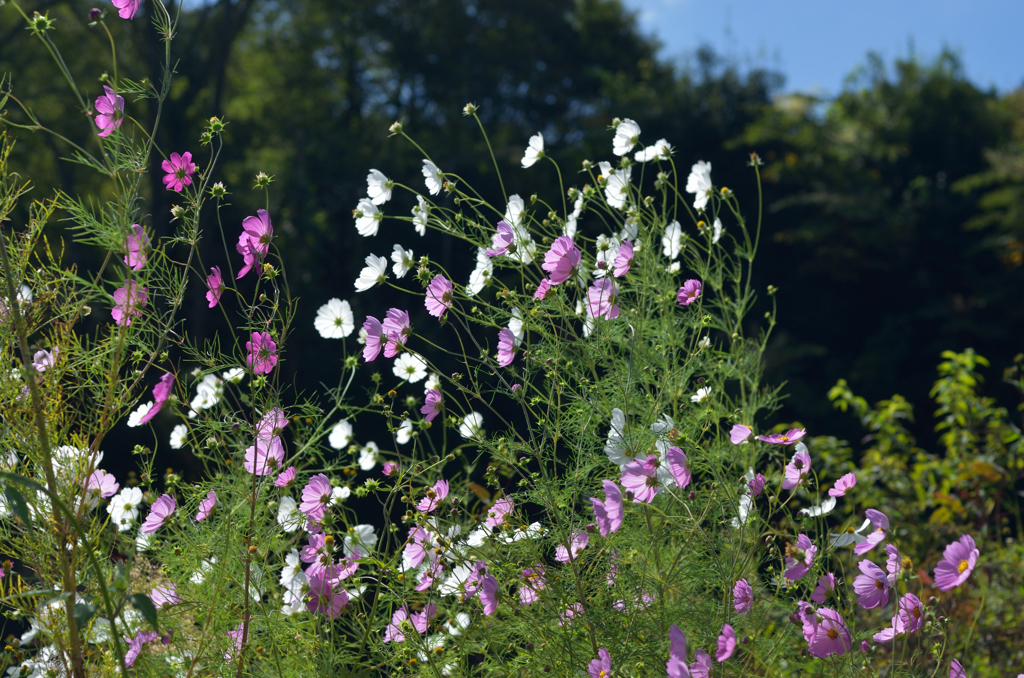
point(180, 169)
point(956, 669)
point(434, 497)
point(323, 598)
point(533, 584)
point(726, 644)
point(542, 289)
point(142, 637)
point(577, 542)
point(397, 328)
point(136, 244)
point(602, 300)
point(128, 301)
point(908, 619)
point(623, 260)
point(262, 356)
point(796, 469)
point(566, 617)
point(42, 360)
point(743, 597)
point(876, 536)
point(562, 260)
point(439, 296)
point(498, 512)
point(206, 505)
point(161, 511)
point(756, 485)
point(800, 557)
point(640, 476)
point(830, 634)
point(260, 231)
point(843, 485)
point(826, 584)
point(161, 392)
point(102, 483)
point(958, 561)
point(502, 241)
point(608, 513)
point(506, 347)
point(271, 424)
point(701, 667)
point(394, 633)
point(676, 664)
point(872, 585)
point(375, 338)
point(739, 433)
point(892, 563)
point(250, 255)
point(214, 286)
point(489, 594)
point(421, 620)
point(165, 595)
point(602, 666)
point(126, 9)
point(677, 466)
point(788, 438)
point(390, 468)
point(688, 293)
point(109, 109)
point(315, 497)
point(432, 404)
point(286, 477)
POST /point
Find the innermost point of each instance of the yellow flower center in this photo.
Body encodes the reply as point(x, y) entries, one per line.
point(962, 566)
point(833, 634)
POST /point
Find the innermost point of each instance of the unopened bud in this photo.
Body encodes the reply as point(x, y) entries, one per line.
point(95, 14)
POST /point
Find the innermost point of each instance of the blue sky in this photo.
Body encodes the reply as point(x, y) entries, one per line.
point(816, 43)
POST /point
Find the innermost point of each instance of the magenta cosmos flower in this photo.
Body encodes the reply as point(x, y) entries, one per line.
point(315, 496)
point(756, 485)
point(397, 328)
point(743, 597)
point(830, 635)
point(876, 536)
point(726, 644)
point(506, 347)
point(390, 468)
point(608, 513)
point(956, 670)
point(432, 404)
point(501, 241)
point(214, 286)
point(161, 511)
point(109, 110)
point(262, 356)
point(602, 300)
point(435, 496)
point(602, 666)
point(254, 240)
point(872, 585)
point(739, 433)
point(498, 512)
point(788, 438)
point(843, 485)
point(542, 289)
point(206, 505)
point(126, 9)
point(128, 301)
point(623, 260)
point(958, 561)
point(640, 476)
point(688, 293)
point(264, 457)
point(799, 558)
point(439, 296)
point(180, 169)
point(562, 260)
point(136, 244)
point(796, 469)
point(533, 584)
point(161, 392)
point(323, 598)
point(577, 542)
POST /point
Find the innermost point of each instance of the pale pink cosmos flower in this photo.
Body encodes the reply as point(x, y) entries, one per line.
point(141, 638)
point(608, 513)
point(501, 241)
point(160, 512)
point(237, 636)
point(726, 644)
point(206, 505)
point(432, 404)
point(602, 300)
point(421, 620)
point(676, 664)
point(743, 597)
point(102, 483)
point(566, 617)
point(640, 476)
point(577, 542)
point(892, 563)
point(872, 585)
point(623, 260)
point(262, 350)
point(439, 296)
point(489, 594)
point(164, 595)
point(956, 669)
point(264, 457)
point(126, 9)
point(180, 169)
point(271, 424)
point(43, 359)
point(136, 244)
point(214, 286)
point(128, 301)
point(498, 512)
point(390, 468)
point(678, 466)
point(688, 293)
point(796, 469)
point(397, 328)
point(315, 497)
point(739, 433)
point(542, 289)
point(876, 536)
point(562, 260)
point(109, 110)
point(830, 634)
point(602, 666)
point(375, 338)
point(800, 557)
point(701, 666)
point(958, 561)
point(843, 485)
point(323, 598)
point(826, 584)
point(434, 497)
point(506, 347)
point(533, 584)
point(161, 393)
point(788, 438)
point(286, 477)
point(394, 633)
point(908, 619)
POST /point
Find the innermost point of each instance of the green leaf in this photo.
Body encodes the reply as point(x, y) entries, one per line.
point(84, 612)
point(18, 505)
point(143, 604)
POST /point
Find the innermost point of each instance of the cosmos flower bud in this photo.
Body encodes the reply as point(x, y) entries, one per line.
point(95, 14)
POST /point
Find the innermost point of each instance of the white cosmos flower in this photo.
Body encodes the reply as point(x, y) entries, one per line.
point(616, 448)
point(607, 250)
point(341, 435)
point(743, 511)
point(375, 272)
point(199, 576)
point(850, 536)
point(627, 134)
point(674, 267)
point(360, 538)
point(368, 456)
point(616, 189)
point(472, 425)
point(404, 432)
point(659, 150)
point(410, 367)
point(672, 241)
point(433, 177)
point(340, 494)
point(142, 541)
point(535, 151)
point(533, 531)
point(481, 274)
point(824, 509)
point(334, 320)
point(458, 624)
point(704, 343)
point(699, 183)
point(289, 517)
point(292, 569)
point(378, 187)
point(208, 393)
point(403, 259)
point(433, 382)
point(141, 411)
point(577, 209)
point(235, 375)
point(179, 434)
point(525, 247)
point(716, 231)
point(701, 394)
point(630, 229)
point(124, 508)
point(420, 214)
point(368, 218)
point(515, 324)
